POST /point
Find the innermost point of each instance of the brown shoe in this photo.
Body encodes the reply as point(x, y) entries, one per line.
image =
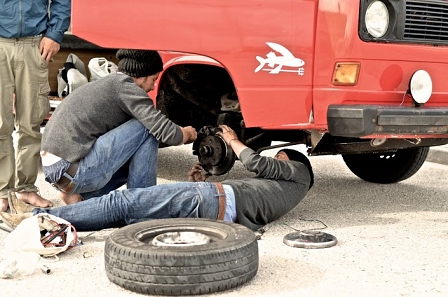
point(18, 206)
point(13, 220)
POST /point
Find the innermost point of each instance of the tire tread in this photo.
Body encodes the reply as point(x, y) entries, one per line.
point(181, 271)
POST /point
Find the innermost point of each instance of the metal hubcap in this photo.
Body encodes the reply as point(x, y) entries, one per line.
point(309, 239)
point(180, 238)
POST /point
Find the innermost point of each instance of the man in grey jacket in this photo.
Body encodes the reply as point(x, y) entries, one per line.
point(30, 34)
point(106, 133)
point(279, 185)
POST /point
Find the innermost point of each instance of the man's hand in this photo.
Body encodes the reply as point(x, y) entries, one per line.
point(231, 138)
point(189, 134)
point(195, 174)
point(48, 48)
point(227, 134)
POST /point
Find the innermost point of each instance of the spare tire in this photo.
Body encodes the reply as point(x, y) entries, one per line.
point(181, 256)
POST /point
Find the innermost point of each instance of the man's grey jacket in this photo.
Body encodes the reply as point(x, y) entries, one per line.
point(275, 190)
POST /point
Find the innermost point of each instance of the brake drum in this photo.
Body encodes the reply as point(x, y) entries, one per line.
point(214, 155)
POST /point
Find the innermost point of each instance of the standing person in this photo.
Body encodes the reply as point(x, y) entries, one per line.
point(279, 185)
point(30, 34)
point(106, 133)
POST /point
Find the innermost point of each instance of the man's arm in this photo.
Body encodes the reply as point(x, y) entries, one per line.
point(60, 11)
point(265, 167)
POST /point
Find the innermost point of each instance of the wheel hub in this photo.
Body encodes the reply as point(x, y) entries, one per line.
point(214, 155)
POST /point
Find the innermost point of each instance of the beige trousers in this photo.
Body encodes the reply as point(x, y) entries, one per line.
point(23, 72)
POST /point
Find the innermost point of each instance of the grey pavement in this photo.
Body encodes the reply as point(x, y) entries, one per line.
point(391, 239)
point(438, 154)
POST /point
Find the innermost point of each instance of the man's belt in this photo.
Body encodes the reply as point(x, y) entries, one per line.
point(65, 184)
point(222, 201)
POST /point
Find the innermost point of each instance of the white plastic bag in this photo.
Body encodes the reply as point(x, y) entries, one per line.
point(27, 236)
point(19, 264)
point(101, 67)
point(71, 76)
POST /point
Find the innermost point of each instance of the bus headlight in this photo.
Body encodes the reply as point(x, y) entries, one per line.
point(377, 19)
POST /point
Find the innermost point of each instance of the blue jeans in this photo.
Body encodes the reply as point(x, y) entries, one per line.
point(124, 207)
point(126, 154)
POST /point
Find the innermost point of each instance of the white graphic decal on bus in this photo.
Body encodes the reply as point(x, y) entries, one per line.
point(276, 63)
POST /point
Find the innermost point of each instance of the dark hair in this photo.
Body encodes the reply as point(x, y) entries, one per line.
point(299, 157)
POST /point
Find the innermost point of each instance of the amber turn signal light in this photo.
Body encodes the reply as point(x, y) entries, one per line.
point(346, 74)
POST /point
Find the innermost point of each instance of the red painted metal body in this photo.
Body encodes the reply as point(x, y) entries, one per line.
point(232, 34)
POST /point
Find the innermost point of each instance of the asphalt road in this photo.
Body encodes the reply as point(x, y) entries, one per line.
point(391, 240)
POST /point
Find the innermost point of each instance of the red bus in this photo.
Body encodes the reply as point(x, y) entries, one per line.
point(362, 79)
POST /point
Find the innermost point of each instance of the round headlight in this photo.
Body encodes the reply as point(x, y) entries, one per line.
point(420, 86)
point(377, 19)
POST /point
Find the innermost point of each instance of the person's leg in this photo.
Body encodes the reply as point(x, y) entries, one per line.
point(110, 152)
point(119, 208)
point(143, 165)
point(118, 179)
point(31, 107)
point(139, 172)
point(7, 159)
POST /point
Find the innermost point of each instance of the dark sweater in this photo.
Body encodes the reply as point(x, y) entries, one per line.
point(277, 188)
point(98, 107)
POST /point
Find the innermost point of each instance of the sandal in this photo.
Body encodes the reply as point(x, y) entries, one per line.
point(17, 206)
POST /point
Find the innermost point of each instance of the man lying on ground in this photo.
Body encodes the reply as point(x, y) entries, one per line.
point(279, 185)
